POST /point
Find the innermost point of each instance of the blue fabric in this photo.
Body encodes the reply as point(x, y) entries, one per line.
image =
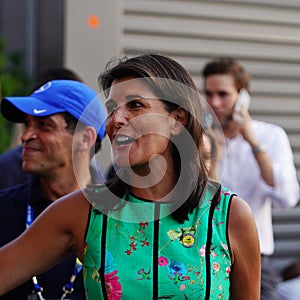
point(11, 168)
point(59, 96)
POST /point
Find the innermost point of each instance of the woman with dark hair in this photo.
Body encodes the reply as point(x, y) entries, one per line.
point(159, 229)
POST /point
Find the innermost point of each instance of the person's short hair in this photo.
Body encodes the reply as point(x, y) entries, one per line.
point(228, 66)
point(54, 74)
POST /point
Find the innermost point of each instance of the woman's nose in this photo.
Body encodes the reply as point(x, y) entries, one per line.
point(119, 116)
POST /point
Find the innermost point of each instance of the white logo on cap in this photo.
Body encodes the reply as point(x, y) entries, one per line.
point(39, 111)
point(44, 87)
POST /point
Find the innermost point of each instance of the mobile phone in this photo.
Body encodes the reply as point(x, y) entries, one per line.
point(243, 100)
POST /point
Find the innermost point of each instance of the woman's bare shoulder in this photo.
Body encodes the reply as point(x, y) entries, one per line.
point(242, 227)
point(70, 214)
point(73, 205)
point(244, 244)
point(240, 210)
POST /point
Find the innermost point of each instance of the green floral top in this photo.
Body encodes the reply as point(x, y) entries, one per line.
point(133, 255)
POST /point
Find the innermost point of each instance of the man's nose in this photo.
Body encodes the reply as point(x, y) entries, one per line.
point(214, 101)
point(29, 133)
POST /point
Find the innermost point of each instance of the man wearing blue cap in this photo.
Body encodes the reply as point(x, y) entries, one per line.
point(64, 126)
point(11, 160)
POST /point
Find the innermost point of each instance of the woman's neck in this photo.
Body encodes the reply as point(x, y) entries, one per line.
point(157, 185)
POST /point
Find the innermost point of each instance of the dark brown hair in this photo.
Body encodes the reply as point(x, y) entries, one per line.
point(229, 66)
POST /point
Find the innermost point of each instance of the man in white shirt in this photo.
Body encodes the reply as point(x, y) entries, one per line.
point(256, 161)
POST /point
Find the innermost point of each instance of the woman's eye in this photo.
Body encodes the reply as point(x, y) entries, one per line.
point(134, 104)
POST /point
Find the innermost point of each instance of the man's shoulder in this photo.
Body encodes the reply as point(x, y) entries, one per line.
point(262, 126)
point(14, 154)
point(13, 203)
point(19, 190)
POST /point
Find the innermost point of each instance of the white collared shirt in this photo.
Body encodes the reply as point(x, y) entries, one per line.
point(239, 171)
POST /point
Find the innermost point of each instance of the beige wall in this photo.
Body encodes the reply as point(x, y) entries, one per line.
point(88, 49)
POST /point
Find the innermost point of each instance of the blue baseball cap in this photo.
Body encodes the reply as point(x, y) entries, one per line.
point(58, 96)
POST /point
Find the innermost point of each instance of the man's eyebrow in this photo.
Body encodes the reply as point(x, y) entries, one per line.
point(36, 117)
point(50, 118)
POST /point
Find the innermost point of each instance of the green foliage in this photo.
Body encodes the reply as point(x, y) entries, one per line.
point(13, 82)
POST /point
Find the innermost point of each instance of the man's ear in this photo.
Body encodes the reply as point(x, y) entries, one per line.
point(179, 116)
point(87, 138)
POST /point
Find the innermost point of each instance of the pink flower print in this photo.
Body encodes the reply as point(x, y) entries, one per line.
point(214, 254)
point(220, 287)
point(202, 250)
point(113, 286)
point(162, 261)
point(216, 266)
point(226, 193)
point(182, 287)
point(228, 270)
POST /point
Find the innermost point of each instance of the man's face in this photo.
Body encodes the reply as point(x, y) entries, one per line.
point(221, 95)
point(47, 145)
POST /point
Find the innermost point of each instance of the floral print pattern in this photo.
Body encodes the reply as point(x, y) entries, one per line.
point(181, 257)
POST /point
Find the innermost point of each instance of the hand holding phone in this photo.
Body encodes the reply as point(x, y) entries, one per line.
point(242, 102)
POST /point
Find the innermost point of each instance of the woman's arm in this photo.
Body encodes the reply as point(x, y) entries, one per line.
point(245, 276)
point(58, 231)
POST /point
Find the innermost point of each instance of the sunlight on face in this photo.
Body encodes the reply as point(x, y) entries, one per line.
point(138, 124)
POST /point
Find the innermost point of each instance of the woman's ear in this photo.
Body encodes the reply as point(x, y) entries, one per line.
point(179, 116)
point(87, 137)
